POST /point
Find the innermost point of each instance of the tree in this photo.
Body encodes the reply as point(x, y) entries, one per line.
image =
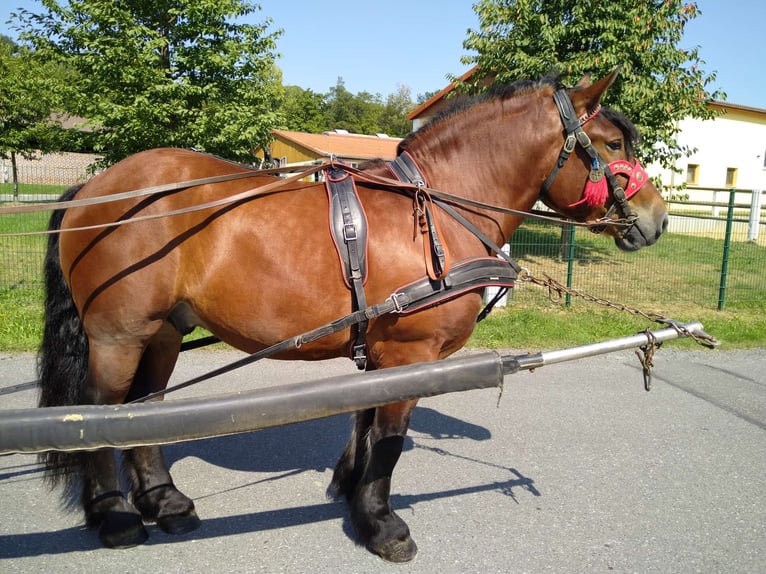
point(28, 100)
point(659, 83)
point(184, 73)
point(363, 113)
point(304, 110)
point(393, 121)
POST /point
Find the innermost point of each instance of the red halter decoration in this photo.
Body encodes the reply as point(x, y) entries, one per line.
point(596, 192)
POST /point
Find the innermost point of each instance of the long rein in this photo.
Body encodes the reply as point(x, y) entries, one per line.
point(275, 186)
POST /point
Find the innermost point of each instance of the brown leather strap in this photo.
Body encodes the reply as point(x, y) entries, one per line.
point(209, 205)
point(155, 189)
point(435, 251)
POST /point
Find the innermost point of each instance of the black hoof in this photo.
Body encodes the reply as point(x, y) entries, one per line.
point(179, 523)
point(122, 530)
point(397, 550)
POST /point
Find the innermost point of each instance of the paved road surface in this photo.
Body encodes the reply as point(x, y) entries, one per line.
point(577, 470)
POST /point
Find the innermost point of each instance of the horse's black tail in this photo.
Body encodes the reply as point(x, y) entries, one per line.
point(62, 360)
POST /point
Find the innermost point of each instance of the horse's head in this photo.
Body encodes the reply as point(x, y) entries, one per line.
point(602, 180)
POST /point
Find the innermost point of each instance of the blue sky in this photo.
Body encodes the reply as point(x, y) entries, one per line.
point(375, 46)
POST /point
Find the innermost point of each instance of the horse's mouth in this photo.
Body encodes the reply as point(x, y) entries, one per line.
point(642, 234)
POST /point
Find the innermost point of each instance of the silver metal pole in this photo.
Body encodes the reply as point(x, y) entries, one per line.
point(592, 349)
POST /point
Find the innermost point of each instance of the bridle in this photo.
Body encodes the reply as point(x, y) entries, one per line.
point(597, 190)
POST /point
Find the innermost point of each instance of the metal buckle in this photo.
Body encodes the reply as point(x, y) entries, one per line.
point(570, 143)
point(349, 232)
point(399, 306)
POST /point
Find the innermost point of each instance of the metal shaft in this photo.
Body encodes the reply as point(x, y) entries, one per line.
point(603, 347)
point(86, 427)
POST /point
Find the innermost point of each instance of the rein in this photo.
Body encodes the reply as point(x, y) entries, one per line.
point(156, 190)
point(388, 183)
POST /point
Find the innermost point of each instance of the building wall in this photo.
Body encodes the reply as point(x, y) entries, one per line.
point(294, 154)
point(54, 168)
point(735, 140)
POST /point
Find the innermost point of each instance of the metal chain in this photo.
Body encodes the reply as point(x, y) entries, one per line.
point(556, 291)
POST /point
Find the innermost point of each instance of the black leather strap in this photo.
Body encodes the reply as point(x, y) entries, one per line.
point(353, 235)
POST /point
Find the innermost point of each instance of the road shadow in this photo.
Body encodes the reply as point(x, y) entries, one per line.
point(313, 445)
point(290, 449)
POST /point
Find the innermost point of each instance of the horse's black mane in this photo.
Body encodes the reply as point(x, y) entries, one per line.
point(504, 91)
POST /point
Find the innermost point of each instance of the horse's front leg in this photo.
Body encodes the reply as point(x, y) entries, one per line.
point(376, 524)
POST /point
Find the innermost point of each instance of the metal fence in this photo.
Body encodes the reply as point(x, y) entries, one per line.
point(713, 256)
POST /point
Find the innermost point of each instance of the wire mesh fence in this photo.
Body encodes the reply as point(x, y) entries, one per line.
point(713, 256)
point(705, 261)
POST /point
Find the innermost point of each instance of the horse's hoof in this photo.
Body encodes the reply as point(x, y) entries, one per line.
point(397, 550)
point(179, 523)
point(122, 530)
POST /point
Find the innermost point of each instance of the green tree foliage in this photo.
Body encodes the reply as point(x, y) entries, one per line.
point(659, 83)
point(393, 121)
point(153, 73)
point(362, 113)
point(29, 100)
point(303, 110)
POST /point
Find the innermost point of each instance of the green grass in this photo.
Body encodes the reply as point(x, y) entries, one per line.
point(549, 326)
point(21, 318)
point(33, 189)
point(678, 278)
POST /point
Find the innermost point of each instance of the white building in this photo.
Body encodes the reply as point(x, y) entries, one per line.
point(730, 151)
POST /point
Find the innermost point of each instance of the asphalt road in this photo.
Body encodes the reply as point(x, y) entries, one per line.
point(577, 469)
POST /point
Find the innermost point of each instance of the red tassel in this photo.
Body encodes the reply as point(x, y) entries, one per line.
point(596, 192)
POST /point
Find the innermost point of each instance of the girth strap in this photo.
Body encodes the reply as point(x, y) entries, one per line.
point(348, 225)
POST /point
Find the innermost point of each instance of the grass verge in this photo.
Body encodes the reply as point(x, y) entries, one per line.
point(540, 327)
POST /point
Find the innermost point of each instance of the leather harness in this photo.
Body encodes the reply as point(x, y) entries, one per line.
point(348, 228)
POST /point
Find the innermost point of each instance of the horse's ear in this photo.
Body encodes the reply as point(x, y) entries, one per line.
point(584, 81)
point(586, 97)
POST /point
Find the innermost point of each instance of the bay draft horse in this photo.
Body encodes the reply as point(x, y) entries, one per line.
point(259, 271)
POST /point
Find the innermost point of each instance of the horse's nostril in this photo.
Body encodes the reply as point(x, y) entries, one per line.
point(665, 221)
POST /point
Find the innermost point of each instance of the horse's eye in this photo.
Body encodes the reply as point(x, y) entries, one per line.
point(615, 145)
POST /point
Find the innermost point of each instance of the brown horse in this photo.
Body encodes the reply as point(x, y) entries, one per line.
point(263, 269)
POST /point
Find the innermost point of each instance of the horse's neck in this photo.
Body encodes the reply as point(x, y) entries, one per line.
point(492, 153)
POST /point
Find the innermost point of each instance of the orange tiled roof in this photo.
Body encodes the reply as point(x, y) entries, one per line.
point(342, 144)
point(425, 109)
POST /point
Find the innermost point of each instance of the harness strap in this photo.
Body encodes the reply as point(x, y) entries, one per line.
point(340, 186)
point(434, 251)
point(405, 169)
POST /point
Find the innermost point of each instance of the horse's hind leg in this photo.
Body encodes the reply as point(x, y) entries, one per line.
point(110, 373)
point(152, 489)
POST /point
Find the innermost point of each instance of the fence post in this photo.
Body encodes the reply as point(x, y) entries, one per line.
point(570, 262)
point(726, 247)
point(755, 215)
point(491, 292)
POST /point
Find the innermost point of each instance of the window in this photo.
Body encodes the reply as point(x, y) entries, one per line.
point(731, 177)
point(692, 173)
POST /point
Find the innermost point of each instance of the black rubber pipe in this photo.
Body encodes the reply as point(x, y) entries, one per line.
point(90, 427)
